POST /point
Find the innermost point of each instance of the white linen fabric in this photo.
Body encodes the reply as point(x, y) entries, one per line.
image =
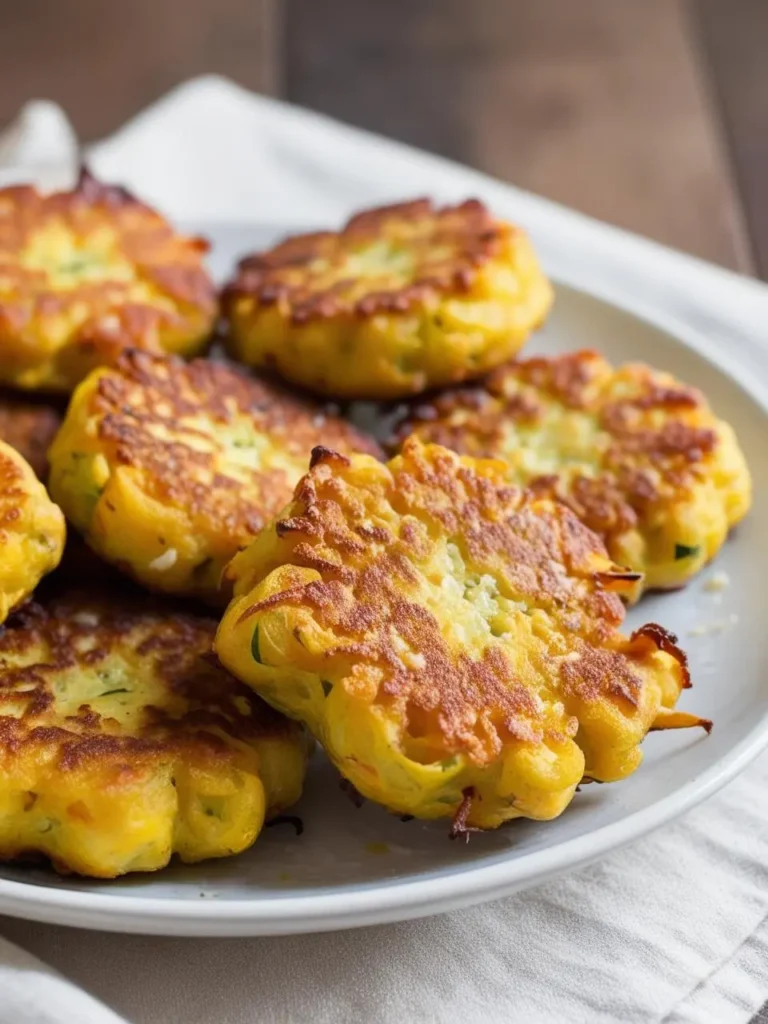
point(673, 929)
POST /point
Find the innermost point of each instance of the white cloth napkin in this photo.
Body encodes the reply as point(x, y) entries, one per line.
point(674, 929)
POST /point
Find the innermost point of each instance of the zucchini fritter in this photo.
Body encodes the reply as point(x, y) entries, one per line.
point(87, 273)
point(169, 468)
point(122, 742)
point(32, 530)
point(638, 456)
point(451, 640)
point(29, 427)
point(404, 298)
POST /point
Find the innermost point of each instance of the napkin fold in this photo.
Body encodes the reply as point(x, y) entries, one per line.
point(32, 993)
point(673, 929)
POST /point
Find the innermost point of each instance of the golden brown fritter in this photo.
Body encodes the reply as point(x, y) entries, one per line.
point(122, 741)
point(169, 468)
point(452, 640)
point(29, 427)
point(638, 456)
point(32, 531)
point(87, 273)
point(403, 298)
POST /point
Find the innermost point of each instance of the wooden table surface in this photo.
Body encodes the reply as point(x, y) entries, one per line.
point(650, 114)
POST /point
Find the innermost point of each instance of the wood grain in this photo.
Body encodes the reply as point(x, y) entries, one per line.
point(598, 104)
point(606, 106)
point(735, 40)
point(104, 61)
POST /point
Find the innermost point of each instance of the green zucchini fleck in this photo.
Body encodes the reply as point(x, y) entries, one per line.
point(686, 551)
point(118, 689)
point(255, 654)
point(327, 687)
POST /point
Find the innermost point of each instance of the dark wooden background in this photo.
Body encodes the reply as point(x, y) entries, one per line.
point(651, 114)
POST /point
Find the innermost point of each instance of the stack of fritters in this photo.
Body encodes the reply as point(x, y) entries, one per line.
point(447, 624)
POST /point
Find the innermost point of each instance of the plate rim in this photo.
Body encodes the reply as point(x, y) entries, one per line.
point(417, 897)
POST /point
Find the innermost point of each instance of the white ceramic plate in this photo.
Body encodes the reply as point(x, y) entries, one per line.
point(362, 866)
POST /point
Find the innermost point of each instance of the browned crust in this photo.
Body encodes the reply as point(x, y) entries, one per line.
point(145, 395)
point(369, 574)
point(601, 673)
point(78, 629)
point(459, 826)
point(544, 551)
point(447, 245)
point(29, 427)
point(667, 642)
point(170, 262)
point(13, 493)
point(474, 421)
